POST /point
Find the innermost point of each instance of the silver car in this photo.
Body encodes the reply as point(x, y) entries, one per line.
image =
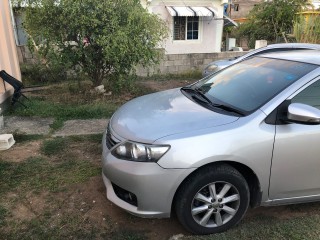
point(220, 64)
point(246, 136)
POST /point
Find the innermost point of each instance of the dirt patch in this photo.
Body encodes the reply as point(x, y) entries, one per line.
point(22, 213)
point(86, 150)
point(90, 201)
point(36, 203)
point(21, 152)
point(25, 208)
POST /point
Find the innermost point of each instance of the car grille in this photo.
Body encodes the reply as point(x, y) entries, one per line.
point(111, 141)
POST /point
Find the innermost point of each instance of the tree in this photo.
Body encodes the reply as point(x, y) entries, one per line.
point(104, 39)
point(270, 19)
point(307, 28)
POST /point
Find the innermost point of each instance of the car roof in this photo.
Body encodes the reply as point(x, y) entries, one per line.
point(293, 45)
point(280, 46)
point(306, 56)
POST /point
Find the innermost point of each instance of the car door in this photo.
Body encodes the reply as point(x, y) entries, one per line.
point(295, 170)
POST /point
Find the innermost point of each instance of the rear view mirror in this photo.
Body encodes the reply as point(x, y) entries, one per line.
point(302, 113)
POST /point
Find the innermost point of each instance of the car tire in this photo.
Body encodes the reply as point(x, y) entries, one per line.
point(212, 200)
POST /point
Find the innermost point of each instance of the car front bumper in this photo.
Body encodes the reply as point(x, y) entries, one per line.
point(153, 186)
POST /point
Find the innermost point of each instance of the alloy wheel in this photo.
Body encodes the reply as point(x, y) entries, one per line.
point(215, 204)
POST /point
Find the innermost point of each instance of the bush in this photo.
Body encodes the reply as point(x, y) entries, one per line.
point(104, 39)
point(34, 74)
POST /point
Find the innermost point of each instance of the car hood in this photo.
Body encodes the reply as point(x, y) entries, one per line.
point(148, 118)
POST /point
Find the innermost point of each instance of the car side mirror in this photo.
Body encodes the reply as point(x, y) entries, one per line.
point(304, 114)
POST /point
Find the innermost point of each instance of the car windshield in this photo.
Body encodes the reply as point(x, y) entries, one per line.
point(248, 85)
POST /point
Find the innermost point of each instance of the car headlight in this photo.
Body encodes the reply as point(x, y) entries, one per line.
point(140, 152)
point(211, 68)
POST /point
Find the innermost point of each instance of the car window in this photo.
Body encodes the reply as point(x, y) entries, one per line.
point(251, 83)
point(309, 96)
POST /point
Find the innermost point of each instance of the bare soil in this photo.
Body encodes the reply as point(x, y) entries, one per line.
point(20, 152)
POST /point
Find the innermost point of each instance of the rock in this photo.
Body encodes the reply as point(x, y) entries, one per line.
point(100, 89)
point(176, 237)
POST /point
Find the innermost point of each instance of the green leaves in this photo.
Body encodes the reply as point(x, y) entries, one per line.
point(105, 38)
point(268, 20)
point(307, 28)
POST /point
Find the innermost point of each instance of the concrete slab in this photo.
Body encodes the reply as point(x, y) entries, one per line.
point(82, 127)
point(27, 125)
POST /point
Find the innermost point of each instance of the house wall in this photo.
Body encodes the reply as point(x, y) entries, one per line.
point(245, 7)
point(8, 52)
point(316, 4)
point(185, 63)
point(210, 28)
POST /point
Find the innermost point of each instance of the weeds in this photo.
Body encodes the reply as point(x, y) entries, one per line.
point(53, 146)
point(57, 124)
point(3, 214)
point(40, 74)
point(20, 138)
point(190, 75)
point(95, 138)
point(124, 234)
point(62, 112)
point(265, 227)
point(39, 173)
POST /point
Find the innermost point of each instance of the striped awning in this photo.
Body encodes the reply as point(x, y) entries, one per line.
point(229, 22)
point(191, 11)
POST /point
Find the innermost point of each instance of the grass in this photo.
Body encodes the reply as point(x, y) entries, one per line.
point(66, 227)
point(38, 173)
point(128, 235)
point(57, 124)
point(53, 176)
point(74, 100)
point(45, 176)
point(53, 146)
point(264, 227)
point(190, 75)
point(18, 137)
point(96, 138)
point(64, 111)
point(3, 214)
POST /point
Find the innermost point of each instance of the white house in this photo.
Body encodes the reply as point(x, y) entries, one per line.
point(195, 25)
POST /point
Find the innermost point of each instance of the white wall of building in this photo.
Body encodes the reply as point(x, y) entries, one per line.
point(316, 4)
point(210, 34)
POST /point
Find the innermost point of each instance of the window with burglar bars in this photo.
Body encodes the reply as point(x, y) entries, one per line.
point(186, 28)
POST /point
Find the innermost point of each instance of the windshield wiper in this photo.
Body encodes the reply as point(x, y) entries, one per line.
point(200, 96)
point(197, 92)
point(228, 108)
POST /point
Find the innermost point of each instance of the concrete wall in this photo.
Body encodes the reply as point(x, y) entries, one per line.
point(8, 52)
point(210, 33)
point(184, 63)
point(25, 55)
